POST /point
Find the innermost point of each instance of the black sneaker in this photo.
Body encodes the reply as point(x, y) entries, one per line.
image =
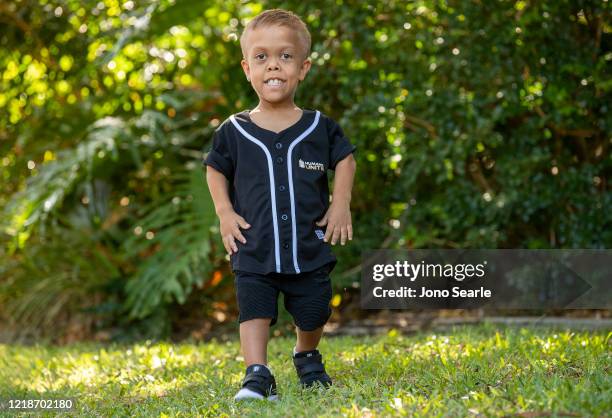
point(258, 383)
point(310, 369)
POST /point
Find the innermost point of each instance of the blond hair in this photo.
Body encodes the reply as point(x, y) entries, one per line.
point(282, 18)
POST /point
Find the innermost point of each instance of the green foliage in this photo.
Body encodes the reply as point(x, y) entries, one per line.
point(478, 125)
point(484, 371)
point(46, 191)
point(172, 263)
point(58, 284)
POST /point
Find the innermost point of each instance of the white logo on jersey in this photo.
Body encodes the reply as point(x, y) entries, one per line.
point(319, 233)
point(311, 165)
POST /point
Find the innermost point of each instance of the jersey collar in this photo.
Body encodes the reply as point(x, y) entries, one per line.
point(251, 127)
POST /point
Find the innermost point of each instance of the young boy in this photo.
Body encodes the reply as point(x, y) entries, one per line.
point(267, 175)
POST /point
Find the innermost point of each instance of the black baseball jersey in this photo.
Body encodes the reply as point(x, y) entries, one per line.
point(278, 184)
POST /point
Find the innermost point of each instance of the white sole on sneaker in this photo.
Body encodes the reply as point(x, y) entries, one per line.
point(246, 393)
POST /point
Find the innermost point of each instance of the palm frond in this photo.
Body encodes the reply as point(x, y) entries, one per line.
point(45, 191)
point(173, 244)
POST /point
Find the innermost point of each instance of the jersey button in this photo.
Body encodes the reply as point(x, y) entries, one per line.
point(286, 245)
point(284, 217)
point(279, 145)
point(281, 188)
point(279, 160)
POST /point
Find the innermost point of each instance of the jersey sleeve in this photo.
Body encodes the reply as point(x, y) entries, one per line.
point(339, 144)
point(219, 156)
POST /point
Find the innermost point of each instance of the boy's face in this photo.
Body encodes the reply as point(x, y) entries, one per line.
point(274, 52)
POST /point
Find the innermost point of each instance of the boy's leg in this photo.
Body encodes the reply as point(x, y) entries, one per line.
point(308, 360)
point(257, 297)
point(307, 340)
point(308, 298)
point(254, 335)
point(257, 304)
point(259, 382)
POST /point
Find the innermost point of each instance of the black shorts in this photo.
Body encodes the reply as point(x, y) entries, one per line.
point(307, 296)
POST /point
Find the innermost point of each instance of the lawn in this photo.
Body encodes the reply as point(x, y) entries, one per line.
point(467, 371)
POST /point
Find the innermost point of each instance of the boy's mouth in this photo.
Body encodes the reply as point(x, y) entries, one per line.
point(274, 82)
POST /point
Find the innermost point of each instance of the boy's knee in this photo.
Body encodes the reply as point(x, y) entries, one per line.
point(315, 321)
point(257, 321)
point(308, 328)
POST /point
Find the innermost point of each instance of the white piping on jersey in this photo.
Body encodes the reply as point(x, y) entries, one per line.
point(289, 165)
point(272, 188)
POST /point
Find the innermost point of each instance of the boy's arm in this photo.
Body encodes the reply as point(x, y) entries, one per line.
point(218, 186)
point(229, 220)
point(338, 216)
point(343, 180)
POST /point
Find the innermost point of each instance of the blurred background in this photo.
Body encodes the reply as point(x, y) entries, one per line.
point(477, 124)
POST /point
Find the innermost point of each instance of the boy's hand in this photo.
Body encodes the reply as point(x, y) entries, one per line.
point(338, 220)
point(230, 221)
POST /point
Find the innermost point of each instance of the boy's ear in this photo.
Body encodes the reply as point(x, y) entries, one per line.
point(305, 67)
point(245, 67)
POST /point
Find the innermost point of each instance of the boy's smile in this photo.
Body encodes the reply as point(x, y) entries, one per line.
point(275, 63)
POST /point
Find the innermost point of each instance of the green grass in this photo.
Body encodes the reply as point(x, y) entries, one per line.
point(467, 371)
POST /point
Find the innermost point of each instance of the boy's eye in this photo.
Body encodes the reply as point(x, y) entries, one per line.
point(285, 55)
